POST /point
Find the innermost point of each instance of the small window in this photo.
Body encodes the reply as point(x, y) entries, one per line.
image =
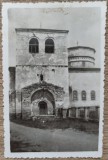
point(83, 95)
point(41, 77)
point(49, 46)
point(93, 96)
point(75, 95)
point(34, 46)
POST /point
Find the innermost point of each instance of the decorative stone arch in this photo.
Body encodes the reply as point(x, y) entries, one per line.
point(29, 106)
point(48, 37)
point(36, 90)
point(42, 95)
point(33, 37)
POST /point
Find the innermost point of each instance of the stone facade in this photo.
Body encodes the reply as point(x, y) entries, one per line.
point(43, 84)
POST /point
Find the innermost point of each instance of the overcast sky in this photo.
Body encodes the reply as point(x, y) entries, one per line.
point(83, 25)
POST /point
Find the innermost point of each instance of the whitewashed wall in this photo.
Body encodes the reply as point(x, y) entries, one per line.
point(88, 81)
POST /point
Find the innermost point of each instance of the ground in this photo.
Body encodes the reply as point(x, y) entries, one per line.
point(60, 123)
point(30, 139)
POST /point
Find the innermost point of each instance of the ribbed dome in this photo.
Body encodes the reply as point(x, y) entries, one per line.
point(81, 57)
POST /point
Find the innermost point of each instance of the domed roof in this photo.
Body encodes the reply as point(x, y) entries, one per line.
point(81, 56)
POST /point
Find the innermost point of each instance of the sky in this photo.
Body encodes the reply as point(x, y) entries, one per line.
point(84, 25)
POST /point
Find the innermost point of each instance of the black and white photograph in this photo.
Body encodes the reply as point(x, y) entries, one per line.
point(53, 72)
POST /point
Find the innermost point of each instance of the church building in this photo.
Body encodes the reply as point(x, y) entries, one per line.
point(51, 80)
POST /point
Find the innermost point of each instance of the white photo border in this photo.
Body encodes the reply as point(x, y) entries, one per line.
point(7, 152)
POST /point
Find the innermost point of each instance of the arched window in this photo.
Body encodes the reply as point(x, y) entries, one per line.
point(93, 96)
point(34, 46)
point(49, 46)
point(75, 95)
point(83, 94)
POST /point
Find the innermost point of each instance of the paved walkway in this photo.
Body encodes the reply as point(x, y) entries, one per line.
point(34, 139)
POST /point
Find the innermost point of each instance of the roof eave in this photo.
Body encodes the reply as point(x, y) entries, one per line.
point(40, 30)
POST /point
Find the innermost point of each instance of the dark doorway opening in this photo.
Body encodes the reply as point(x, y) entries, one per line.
point(43, 110)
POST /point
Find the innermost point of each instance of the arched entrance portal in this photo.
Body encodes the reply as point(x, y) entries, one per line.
point(43, 102)
point(43, 109)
